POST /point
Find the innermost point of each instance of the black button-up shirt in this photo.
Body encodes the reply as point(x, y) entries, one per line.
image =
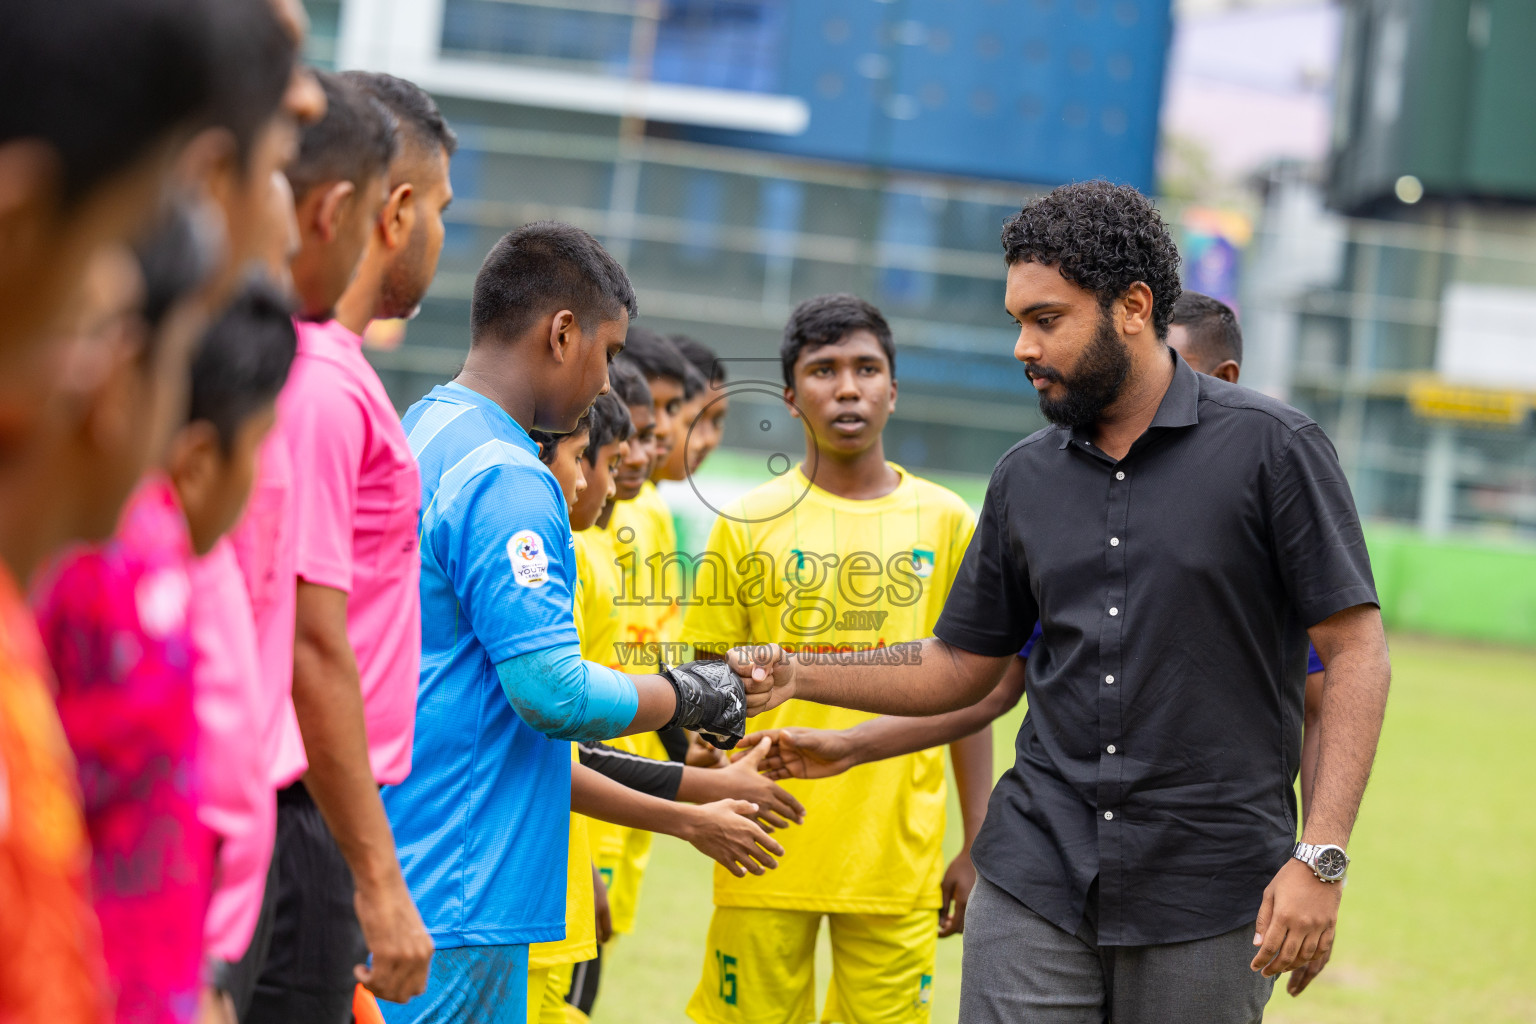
point(1174, 588)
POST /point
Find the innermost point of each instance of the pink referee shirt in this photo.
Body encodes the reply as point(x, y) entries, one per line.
point(263, 544)
point(356, 495)
point(236, 802)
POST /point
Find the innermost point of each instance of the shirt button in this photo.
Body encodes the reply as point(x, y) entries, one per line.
point(1114, 542)
point(1114, 611)
point(1110, 748)
point(1109, 679)
point(1120, 474)
point(1109, 815)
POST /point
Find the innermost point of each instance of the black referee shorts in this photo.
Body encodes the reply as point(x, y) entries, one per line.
point(316, 940)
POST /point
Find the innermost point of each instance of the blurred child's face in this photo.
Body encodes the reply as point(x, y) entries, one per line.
point(48, 249)
point(676, 466)
point(280, 233)
point(709, 429)
point(242, 192)
point(667, 402)
point(635, 467)
point(600, 488)
point(568, 466)
point(212, 484)
point(127, 397)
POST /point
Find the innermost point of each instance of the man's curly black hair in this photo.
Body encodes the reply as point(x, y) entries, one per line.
point(1103, 237)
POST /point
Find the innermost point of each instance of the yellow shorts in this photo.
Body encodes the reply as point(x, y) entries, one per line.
point(621, 855)
point(759, 967)
point(547, 987)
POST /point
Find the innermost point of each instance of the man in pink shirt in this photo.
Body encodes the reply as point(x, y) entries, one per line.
point(356, 493)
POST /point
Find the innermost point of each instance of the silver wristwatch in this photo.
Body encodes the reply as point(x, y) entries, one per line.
point(1328, 862)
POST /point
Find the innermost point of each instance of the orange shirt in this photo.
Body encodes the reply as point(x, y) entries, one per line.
point(50, 950)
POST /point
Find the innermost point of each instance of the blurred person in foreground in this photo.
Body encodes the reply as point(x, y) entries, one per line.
point(249, 131)
point(339, 181)
point(241, 364)
point(102, 97)
point(1117, 877)
point(113, 618)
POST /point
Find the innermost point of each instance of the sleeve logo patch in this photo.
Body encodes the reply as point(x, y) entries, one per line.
point(530, 564)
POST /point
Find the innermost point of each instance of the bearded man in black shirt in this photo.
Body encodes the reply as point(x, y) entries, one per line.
point(1179, 539)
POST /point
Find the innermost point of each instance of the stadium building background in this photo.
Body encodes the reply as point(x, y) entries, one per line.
point(741, 155)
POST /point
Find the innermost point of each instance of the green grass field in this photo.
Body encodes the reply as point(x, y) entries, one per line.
point(1439, 919)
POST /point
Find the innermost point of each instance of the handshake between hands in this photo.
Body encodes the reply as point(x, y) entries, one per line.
point(716, 698)
point(765, 677)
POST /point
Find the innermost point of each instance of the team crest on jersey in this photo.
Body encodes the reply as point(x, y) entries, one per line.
point(530, 564)
point(922, 561)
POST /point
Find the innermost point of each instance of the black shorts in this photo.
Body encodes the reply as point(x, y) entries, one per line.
point(316, 940)
point(238, 979)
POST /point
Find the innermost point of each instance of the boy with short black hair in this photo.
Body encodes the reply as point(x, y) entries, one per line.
point(638, 530)
point(241, 365)
point(582, 462)
point(701, 423)
point(848, 551)
point(503, 684)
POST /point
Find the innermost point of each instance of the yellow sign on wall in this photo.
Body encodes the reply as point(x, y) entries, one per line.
point(1438, 400)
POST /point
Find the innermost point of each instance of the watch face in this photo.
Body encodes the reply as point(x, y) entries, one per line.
point(1331, 862)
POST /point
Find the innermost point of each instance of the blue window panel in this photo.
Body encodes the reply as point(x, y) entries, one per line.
point(703, 207)
point(908, 220)
point(466, 173)
point(781, 204)
point(722, 44)
point(547, 34)
point(1043, 91)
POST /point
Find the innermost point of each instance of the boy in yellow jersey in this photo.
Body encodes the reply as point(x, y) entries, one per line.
point(637, 526)
point(701, 426)
point(583, 462)
point(642, 525)
point(845, 551)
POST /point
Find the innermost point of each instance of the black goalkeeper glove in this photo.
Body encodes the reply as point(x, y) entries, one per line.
point(710, 701)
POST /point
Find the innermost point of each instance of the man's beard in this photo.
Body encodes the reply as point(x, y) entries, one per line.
point(1095, 382)
point(401, 291)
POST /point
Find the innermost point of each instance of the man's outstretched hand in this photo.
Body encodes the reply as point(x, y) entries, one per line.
point(799, 753)
point(776, 806)
point(767, 674)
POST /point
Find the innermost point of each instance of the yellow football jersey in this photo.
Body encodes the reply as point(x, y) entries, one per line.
point(802, 567)
point(645, 545)
point(598, 625)
point(621, 854)
point(580, 942)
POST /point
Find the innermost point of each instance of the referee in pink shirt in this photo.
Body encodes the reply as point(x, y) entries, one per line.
point(369, 185)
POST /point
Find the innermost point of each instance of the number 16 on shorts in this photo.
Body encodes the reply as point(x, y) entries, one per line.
point(727, 966)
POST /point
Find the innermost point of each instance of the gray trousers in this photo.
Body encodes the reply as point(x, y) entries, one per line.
point(1021, 969)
